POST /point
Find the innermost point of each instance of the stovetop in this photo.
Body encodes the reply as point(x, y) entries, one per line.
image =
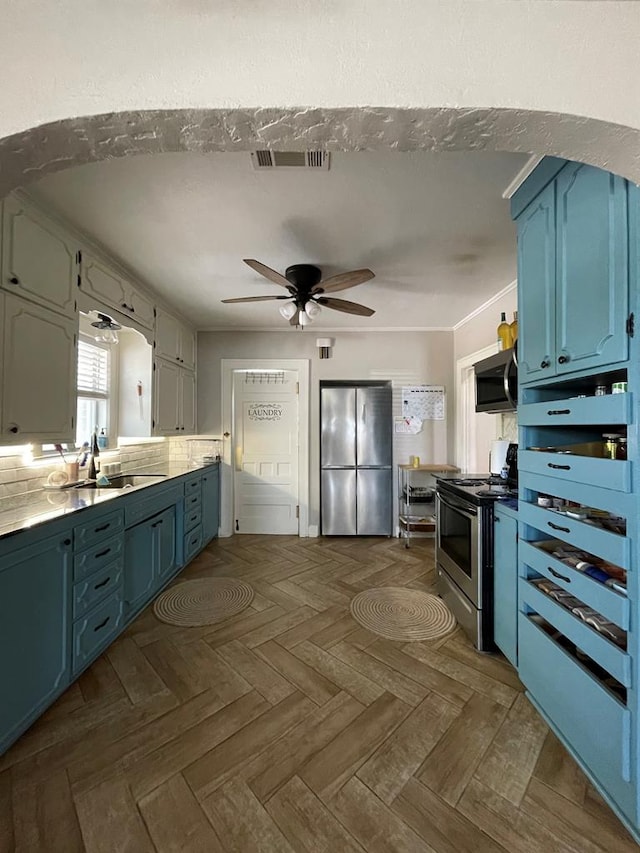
point(478, 487)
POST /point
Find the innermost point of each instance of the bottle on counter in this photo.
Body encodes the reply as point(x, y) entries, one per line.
point(94, 464)
point(504, 332)
point(102, 439)
point(514, 328)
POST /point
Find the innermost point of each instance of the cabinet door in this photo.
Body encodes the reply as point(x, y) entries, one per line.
point(35, 615)
point(592, 269)
point(210, 504)
point(164, 543)
point(39, 373)
point(138, 307)
point(37, 261)
point(139, 565)
point(536, 288)
point(167, 392)
point(187, 348)
point(167, 336)
point(505, 585)
point(188, 402)
point(98, 280)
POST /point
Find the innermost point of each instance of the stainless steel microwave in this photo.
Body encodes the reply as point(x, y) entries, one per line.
point(497, 382)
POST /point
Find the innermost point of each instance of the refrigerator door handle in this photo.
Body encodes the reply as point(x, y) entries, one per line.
point(363, 415)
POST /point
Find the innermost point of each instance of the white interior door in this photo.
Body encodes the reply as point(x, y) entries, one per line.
point(265, 451)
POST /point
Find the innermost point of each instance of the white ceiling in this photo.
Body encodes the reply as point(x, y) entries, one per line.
point(433, 228)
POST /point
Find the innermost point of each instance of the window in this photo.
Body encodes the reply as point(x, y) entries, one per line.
point(94, 363)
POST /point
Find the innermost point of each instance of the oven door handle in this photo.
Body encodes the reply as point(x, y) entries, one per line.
point(463, 509)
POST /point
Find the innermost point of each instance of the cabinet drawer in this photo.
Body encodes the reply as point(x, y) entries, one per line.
point(612, 658)
point(95, 531)
point(96, 558)
point(607, 473)
point(142, 508)
point(611, 604)
point(192, 519)
point(605, 410)
point(192, 543)
point(192, 501)
point(592, 721)
point(88, 592)
point(602, 543)
point(93, 631)
point(193, 486)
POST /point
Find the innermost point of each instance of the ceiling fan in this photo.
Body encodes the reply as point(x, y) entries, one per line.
point(307, 291)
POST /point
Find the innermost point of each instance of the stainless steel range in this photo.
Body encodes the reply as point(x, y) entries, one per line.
point(464, 551)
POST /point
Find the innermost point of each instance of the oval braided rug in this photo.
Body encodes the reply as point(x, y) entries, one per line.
point(398, 613)
point(203, 602)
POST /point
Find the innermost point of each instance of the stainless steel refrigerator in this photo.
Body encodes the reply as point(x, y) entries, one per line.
point(356, 459)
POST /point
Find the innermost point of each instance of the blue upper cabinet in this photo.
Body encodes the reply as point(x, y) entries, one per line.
point(573, 274)
point(592, 269)
point(537, 304)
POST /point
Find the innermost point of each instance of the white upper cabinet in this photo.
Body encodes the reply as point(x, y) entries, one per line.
point(38, 373)
point(174, 399)
point(110, 289)
point(39, 262)
point(174, 341)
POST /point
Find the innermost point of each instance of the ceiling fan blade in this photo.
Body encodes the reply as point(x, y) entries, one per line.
point(254, 298)
point(295, 320)
point(343, 281)
point(267, 272)
point(346, 306)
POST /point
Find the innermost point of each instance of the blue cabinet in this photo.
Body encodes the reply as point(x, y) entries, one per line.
point(573, 275)
point(505, 583)
point(210, 503)
point(537, 302)
point(35, 631)
point(577, 637)
point(150, 558)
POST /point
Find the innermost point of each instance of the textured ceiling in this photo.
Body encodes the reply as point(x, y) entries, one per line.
point(432, 226)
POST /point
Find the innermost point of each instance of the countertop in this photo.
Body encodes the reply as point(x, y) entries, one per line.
point(27, 511)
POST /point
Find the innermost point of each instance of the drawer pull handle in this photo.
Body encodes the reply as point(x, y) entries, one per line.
point(158, 523)
point(102, 553)
point(102, 624)
point(104, 527)
point(559, 412)
point(557, 527)
point(559, 576)
point(102, 583)
point(193, 518)
point(559, 467)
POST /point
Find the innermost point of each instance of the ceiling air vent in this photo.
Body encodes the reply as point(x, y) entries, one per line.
point(290, 159)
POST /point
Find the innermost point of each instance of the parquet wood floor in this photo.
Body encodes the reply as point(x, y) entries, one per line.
point(291, 728)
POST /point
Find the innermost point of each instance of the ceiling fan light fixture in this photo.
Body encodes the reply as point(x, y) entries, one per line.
point(108, 329)
point(312, 309)
point(304, 319)
point(288, 310)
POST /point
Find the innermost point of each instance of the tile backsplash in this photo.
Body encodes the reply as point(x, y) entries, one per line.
point(19, 476)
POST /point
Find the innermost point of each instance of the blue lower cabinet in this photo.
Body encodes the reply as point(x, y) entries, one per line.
point(94, 631)
point(192, 543)
point(210, 503)
point(89, 591)
point(150, 558)
point(35, 628)
point(505, 584)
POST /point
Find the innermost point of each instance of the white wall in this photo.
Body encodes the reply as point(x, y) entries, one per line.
point(427, 357)
point(81, 57)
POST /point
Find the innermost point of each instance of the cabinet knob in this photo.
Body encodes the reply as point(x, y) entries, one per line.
point(14, 280)
point(563, 359)
point(177, 427)
point(66, 542)
point(544, 364)
point(14, 428)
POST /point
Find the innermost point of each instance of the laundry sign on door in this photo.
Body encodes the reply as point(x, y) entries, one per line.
point(423, 402)
point(264, 411)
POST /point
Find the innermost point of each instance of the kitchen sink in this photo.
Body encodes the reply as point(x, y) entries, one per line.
point(123, 481)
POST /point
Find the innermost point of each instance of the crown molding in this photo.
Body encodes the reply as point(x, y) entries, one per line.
point(495, 298)
point(521, 176)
